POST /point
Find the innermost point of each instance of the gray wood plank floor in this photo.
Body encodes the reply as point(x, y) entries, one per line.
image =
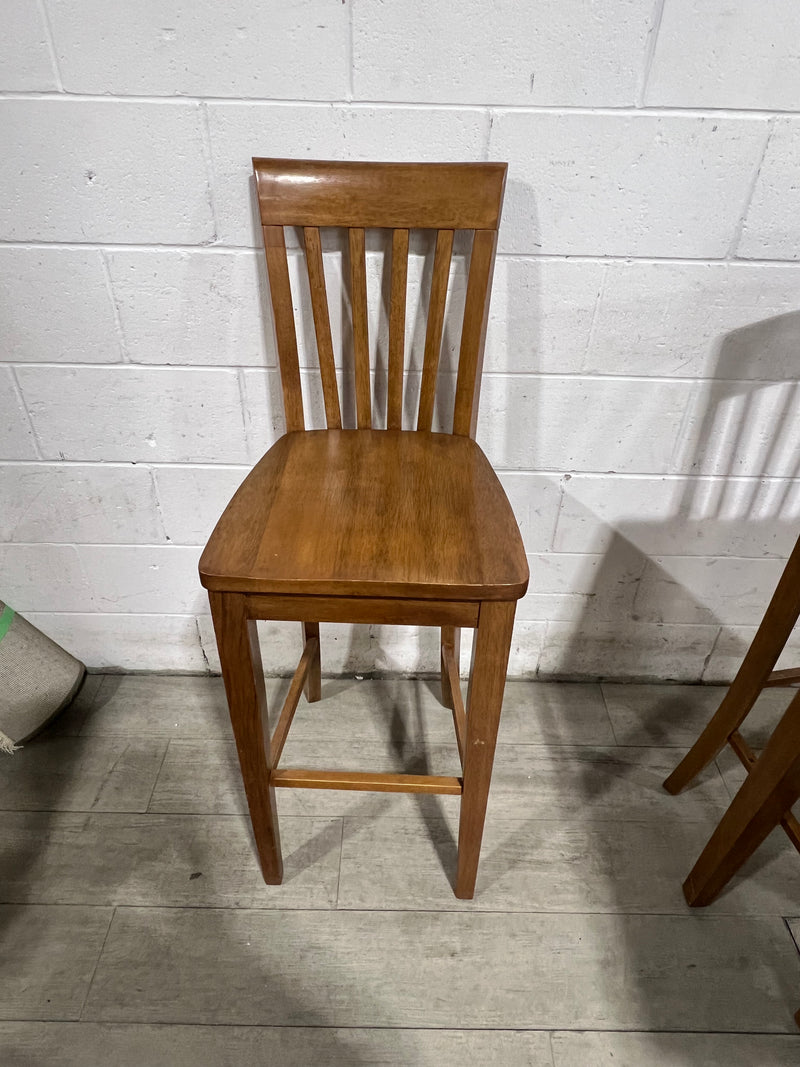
point(135, 928)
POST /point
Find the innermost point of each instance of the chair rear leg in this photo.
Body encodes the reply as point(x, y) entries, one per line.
point(240, 657)
point(490, 652)
point(313, 684)
point(451, 639)
point(773, 633)
point(768, 792)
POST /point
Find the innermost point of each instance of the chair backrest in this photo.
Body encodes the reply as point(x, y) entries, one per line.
point(445, 197)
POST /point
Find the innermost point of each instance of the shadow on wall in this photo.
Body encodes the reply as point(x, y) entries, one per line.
point(677, 596)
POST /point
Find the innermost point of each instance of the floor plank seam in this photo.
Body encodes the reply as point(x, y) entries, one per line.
point(96, 965)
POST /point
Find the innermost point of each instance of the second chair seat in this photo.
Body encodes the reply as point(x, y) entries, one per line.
point(370, 513)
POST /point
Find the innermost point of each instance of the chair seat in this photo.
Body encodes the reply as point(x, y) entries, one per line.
point(370, 513)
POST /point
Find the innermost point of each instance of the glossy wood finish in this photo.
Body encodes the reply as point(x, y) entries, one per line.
point(490, 652)
point(355, 196)
point(440, 196)
point(358, 297)
point(286, 337)
point(364, 525)
point(367, 610)
point(473, 334)
point(371, 783)
point(433, 333)
point(322, 326)
point(240, 657)
point(773, 633)
point(397, 329)
point(310, 649)
point(379, 513)
point(773, 783)
point(769, 791)
point(313, 683)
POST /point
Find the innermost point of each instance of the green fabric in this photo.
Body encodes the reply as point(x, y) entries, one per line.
point(5, 620)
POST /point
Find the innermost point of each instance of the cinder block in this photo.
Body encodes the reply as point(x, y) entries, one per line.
point(25, 64)
point(742, 428)
point(70, 504)
point(727, 53)
point(730, 649)
point(583, 424)
point(345, 649)
point(56, 307)
point(193, 307)
point(203, 48)
point(16, 437)
point(143, 579)
point(641, 185)
point(103, 171)
point(626, 650)
point(679, 517)
point(707, 590)
point(709, 320)
point(553, 607)
point(534, 499)
point(241, 131)
point(541, 315)
point(548, 53)
point(44, 578)
point(193, 498)
point(592, 588)
point(116, 642)
point(136, 414)
point(772, 225)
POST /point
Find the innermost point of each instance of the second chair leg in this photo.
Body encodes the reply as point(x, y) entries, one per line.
point(773, 633)
point(490, 651)
point(768, 792)
point(240, 658)
point(313, 685)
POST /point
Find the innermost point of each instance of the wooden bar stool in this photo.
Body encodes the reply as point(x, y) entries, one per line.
point(362, 525)
point(772, 785)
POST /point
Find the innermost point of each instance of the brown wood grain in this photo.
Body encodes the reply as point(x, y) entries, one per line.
point(436, 196)
point(490, 652)
point(366, 526)
point(243, 675)
point(378, 513)
point(368, 782)
point(285, 335)
point(473, 333)
point(433, 333)
point(397, 329)
point(358, 301)
point(322, 327)
point(281, 732)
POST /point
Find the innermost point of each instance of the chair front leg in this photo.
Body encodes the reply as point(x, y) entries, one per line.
point(490, 651)
point(240, 657)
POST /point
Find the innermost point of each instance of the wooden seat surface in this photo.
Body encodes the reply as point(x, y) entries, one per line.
point(380, 513)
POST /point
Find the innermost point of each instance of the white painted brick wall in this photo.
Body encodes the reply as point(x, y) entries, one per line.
point(727, 54)
point(641, 378)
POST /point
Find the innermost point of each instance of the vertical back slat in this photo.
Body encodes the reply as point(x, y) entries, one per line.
point(281, 296)
point(433, 333)
point(322, 326)
point(358, 302)
point(397, 329)
point(473, 332)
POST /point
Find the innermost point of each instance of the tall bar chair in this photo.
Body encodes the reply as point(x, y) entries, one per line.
point(772, 786)
point(360, 525)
